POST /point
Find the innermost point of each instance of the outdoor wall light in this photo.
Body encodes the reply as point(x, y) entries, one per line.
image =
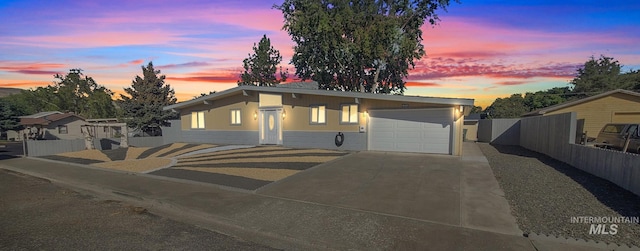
point(255, 115)
point(284, 114)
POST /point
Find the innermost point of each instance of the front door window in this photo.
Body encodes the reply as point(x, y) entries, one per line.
point(270, 127)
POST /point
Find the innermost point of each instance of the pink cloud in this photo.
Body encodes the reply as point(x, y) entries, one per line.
point(512, 82)
point(451, 67)
point(186, 65)
point(220, 76)
point(31, 68)
point(136, 62)
point(421, 84)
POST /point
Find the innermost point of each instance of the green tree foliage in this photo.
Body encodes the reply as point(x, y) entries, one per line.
point(9, 114)
point(541, 99)
point(511, 107)
point(476, 109)
point(142, 107)
point(82, 95)
point(74, 92)
point(260, 67)
point(358, 45)
point(603, 74)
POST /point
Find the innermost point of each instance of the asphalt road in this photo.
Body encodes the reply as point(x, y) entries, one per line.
point(36, 214)
point(10, 149)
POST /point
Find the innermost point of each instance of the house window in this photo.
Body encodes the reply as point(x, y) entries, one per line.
point(236, 117)
point(197, 120)
point(349, 114)
point(62, 129)
point(318, 114)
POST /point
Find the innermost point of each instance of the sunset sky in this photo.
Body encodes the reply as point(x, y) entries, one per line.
point(480, 50)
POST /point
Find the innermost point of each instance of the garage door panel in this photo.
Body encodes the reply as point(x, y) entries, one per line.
point(422, 130)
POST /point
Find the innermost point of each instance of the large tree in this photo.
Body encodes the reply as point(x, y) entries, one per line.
point(601, 75)
point(261, 66)
point(541, 99)
point(82, 95)
point(511, 107)
point(9, 114)
point(74, 92)
point(142, 106)
point(364, 46)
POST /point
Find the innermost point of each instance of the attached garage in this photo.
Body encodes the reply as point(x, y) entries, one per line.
point(411, 130)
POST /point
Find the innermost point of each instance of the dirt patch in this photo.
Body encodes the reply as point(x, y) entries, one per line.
point(253, 173)
point(135, 152)
point(301, 159)
point(167, 149)
point(116, 154)
point(135, 165)
point(258, 152)
point(152, 150)
point(187, 149)
point(87, 154)
point(253, 149)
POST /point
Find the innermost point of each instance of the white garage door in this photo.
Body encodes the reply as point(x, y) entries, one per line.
point(418, 130)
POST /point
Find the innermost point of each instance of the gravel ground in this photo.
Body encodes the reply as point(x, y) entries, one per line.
point(135, 152)
point(87, 154)
point(171, 148)
point(38, 215)
point(544, 194)
point(135, 165)
point(152, 150)
point(188, 149)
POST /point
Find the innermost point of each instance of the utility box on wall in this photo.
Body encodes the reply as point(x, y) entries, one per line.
point(362, 128)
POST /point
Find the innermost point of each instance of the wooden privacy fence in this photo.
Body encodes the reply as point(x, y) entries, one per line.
point(554, 136)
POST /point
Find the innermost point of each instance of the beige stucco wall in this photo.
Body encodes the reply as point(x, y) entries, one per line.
point(472, 130)
point(217, 114)
point(298, 112)
point(597, 113)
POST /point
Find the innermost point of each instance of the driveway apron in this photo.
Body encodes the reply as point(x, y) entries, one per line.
point(449, 190)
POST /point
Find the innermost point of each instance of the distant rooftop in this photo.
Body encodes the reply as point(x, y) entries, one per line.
point(40, 115)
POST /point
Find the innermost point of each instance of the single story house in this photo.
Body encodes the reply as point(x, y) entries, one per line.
point(617, 106)
point(52, 125)
point(295, 116)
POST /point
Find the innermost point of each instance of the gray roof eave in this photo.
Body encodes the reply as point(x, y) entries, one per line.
point(399, 98)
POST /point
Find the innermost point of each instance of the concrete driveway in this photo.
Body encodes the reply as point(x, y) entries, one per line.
point(440, 189)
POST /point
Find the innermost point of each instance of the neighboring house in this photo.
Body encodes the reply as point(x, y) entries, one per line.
point(102, 131)
point(310, 118)
point(52, 125)
point(617, 106)
point(470, 127)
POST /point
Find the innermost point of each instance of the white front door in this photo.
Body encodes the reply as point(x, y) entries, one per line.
point(270, 127)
